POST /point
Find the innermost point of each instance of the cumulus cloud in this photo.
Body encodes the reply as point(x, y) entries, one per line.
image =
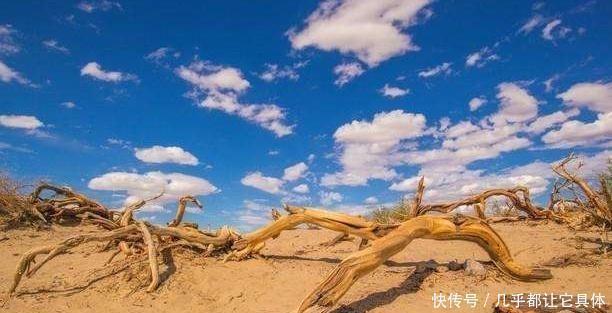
point(594, 96)
point(369, 148)
point(144, 186)
point(372, 31)
point(54, 45)
point(393, 92)
point(346, 72)
point(578, 133)
point(301, 188)
point(8, 75)
point(222, 87)
point(93, 69)
point(481, 58)
point(476, 103)
point(545, 122)
point(444, 68)
point(516, 104)
point(330, 197)
point(295, 172)
point(259, 181)
point(20, 121)
point(160, 154)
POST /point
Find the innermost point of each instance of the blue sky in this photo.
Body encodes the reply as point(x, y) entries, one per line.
point(336, 103)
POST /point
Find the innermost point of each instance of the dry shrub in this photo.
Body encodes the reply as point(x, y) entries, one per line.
point(15, 208)
point(398, 213)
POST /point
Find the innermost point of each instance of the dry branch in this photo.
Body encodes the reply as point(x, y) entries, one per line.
point(327, 294)
point(340, 222)
point(595, 200)
point(518, 196)
point(180, 211)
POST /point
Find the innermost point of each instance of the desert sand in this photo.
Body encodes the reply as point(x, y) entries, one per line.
point(291, 267)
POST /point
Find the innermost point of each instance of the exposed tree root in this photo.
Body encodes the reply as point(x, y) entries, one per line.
point(327, 294)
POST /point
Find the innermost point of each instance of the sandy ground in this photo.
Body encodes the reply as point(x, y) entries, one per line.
point(294, 264)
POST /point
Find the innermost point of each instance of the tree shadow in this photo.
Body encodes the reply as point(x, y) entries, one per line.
point(412, 284)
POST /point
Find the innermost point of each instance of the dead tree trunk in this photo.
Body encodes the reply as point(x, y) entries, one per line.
point(340, 222)
point(338, 282)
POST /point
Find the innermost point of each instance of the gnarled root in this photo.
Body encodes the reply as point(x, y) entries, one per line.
point(338, 282)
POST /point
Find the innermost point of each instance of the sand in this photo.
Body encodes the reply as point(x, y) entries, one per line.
point(293, 265)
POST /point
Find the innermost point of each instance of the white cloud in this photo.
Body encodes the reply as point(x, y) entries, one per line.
point(330, 197)
point(594, 96)
point(301, 188)
point(53, 45)
point(94, 70)
point(275, 72)
point(481, 58)
point(160, 54)
point(531, 24)
point(255, 213)
point(476, 103)
point(545, 122)
point(268, 184)
point(516, 104)
point(548, 84)
point(8, 75)
point(393, 92)
point(578, 133)
point(553, 30)
point(20, 121)
point(8, 45)
point(99, 5)
point(444, 185)
point(68, 104)
point(210, 77)
point(160, 154)
point(369, 149)
point(295, 172)
point(370, 30)
point(370, 200)
point(444, 68)
point(347, 72)
point(222, 86)
point(145, 186)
